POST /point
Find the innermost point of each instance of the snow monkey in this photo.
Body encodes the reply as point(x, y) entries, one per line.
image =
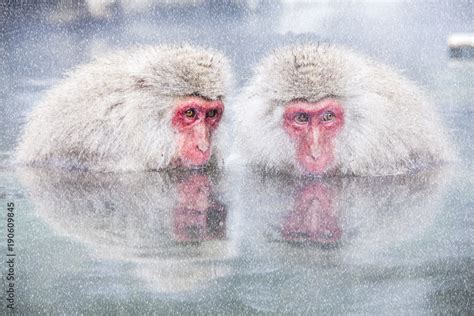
point(146, 108)
point(326, 110)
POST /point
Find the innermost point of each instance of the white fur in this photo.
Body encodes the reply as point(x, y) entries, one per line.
point(114, 114)
point(389, 127)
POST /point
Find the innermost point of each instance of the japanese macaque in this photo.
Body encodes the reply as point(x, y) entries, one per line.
point(141, 109)
point(324, 110)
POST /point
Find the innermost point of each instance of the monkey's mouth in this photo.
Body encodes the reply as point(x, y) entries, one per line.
point(314, 165)
point(195, 158)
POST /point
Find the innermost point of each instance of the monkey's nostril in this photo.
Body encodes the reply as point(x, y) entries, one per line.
point(202, 147)
point(315, 153)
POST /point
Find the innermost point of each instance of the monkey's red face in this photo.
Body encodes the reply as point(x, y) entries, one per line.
point(313, 126)
point(195, 119)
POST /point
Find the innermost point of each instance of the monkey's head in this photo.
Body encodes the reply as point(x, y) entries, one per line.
point(184, 88)
point(320, 109)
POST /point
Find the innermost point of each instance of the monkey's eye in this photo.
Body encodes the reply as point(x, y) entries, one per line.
point(302, 118)
point(190, 113)
point(328, 116)
point(211, 113)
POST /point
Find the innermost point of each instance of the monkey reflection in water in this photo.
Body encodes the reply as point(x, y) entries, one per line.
point(313, 218)
point(134, 213)
point(360, 214)
point(142, 219)
point(198, 215)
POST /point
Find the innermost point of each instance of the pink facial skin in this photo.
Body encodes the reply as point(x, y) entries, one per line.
point(195, 119)
point(313, 127)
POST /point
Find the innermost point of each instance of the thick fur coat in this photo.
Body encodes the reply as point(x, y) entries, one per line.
point(115, 113)
point(390, 127)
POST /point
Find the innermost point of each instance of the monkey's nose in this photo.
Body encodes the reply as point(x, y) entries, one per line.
point(203, 146)
point(315, 152)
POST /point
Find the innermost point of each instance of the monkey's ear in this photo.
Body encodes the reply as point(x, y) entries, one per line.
point(141, 83)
